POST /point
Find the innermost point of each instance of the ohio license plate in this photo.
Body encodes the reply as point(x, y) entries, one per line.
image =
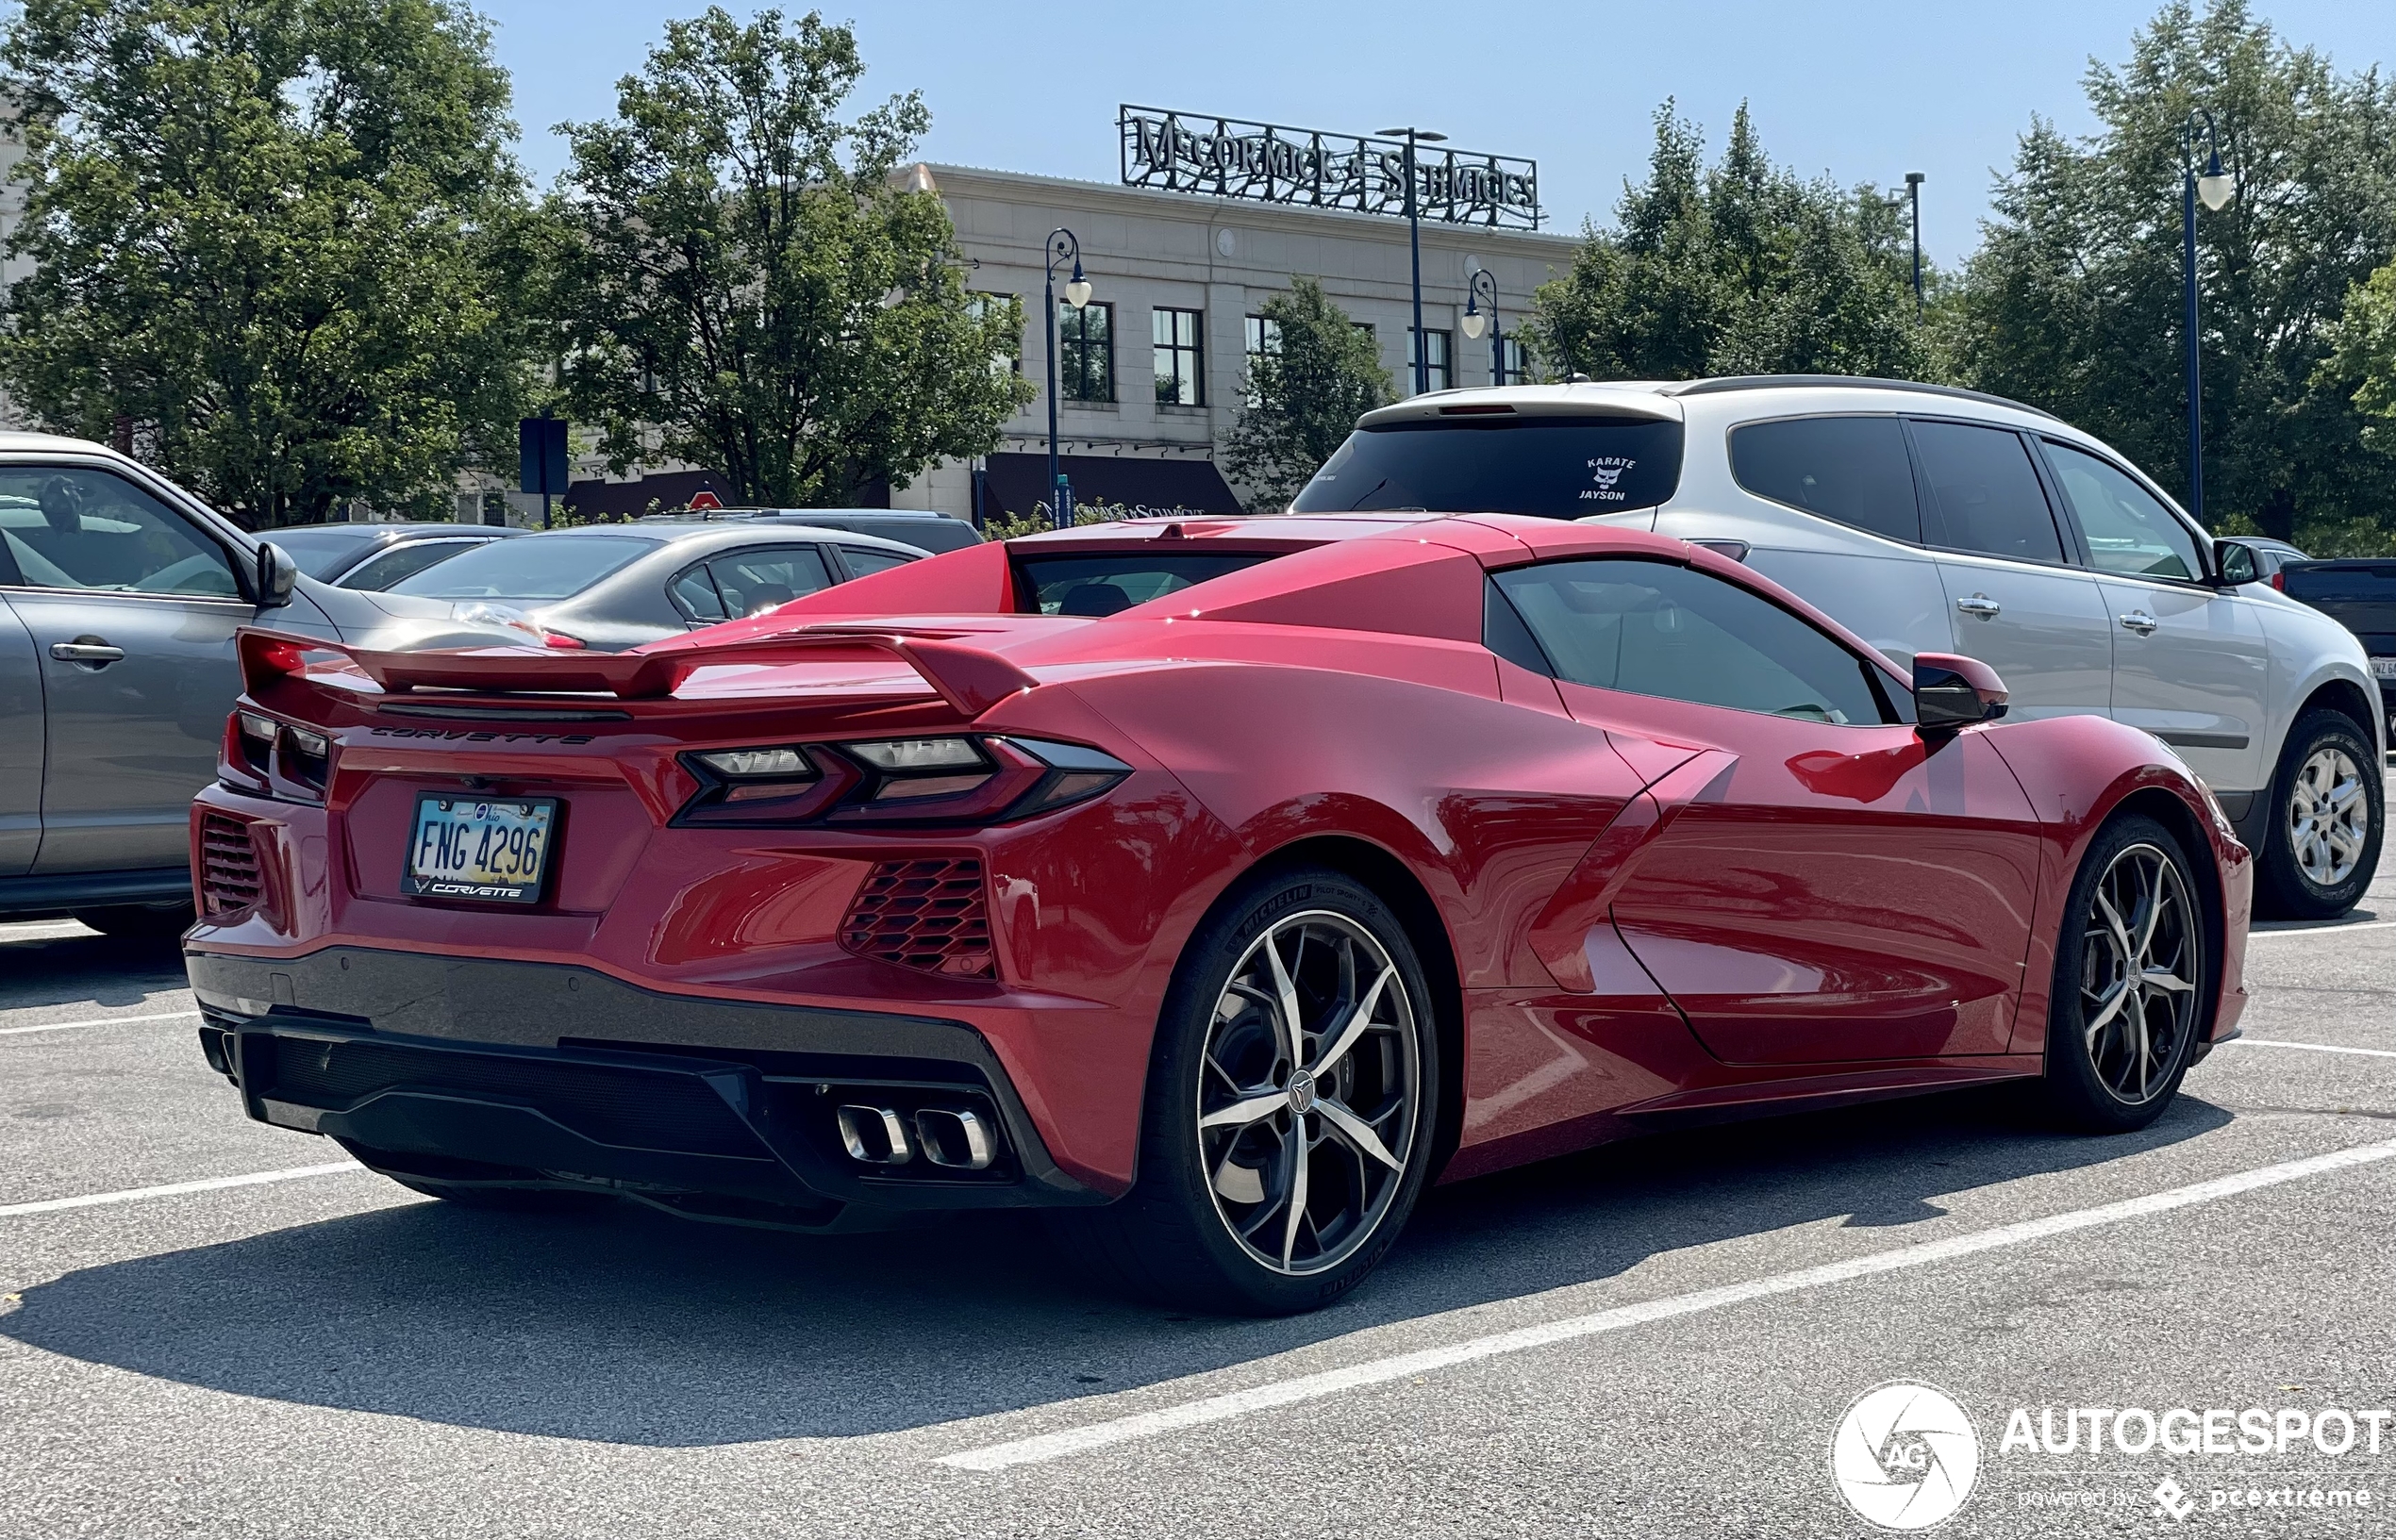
point(2384, 668)
point(493, 849)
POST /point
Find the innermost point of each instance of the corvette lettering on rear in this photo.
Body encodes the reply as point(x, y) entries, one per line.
point(461, 736)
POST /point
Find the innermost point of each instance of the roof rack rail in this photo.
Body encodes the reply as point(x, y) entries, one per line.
point(1767, 382)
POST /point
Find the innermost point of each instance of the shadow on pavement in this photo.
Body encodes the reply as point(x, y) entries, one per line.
point(626, 1328)
point(86, 970)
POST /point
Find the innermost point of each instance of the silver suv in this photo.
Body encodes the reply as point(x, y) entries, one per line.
point(119, 597)
point(1938, 520)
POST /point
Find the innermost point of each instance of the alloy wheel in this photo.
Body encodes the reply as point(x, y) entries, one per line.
point(2141, 966)
point(1309, 1092)
point(2328, 817)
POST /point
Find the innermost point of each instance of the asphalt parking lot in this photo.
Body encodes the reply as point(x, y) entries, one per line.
point(1653, 1339)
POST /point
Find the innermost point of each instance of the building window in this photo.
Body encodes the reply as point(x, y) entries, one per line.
point(1435, 359)
point(1181, 375)
point(986, 308)
point(1264, 337)
point(1086, 352)
point(1514, 362)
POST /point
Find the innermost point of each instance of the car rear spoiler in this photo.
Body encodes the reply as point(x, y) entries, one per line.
point(969, 678)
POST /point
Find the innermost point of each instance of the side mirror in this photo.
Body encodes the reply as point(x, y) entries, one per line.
point(1952, 691)
point(276, 576)
point(2237, 562)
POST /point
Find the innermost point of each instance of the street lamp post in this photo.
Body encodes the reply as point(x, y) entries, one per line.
point(1063, 245)
point(2214, 187)
point(1913, 191)
point(1414, 240)
point(1483, 284)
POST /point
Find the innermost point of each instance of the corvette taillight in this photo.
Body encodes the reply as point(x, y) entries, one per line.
point(954, 780)
point(268, 757)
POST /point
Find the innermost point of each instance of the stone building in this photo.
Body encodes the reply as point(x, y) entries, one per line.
point(1151, 370)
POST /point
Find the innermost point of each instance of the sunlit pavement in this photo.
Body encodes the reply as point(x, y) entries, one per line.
point(329, 1355)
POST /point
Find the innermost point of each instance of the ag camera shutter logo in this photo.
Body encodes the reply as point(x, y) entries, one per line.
point(1904, 1456)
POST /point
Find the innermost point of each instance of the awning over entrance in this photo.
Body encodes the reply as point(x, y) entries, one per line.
point(1158, 487)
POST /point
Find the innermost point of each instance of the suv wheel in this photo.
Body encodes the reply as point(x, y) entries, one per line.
point(1290, 1106)
point(2321, 845)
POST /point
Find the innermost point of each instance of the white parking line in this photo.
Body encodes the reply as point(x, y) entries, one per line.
point(2316, 1047)
point(1046, 1446)
point(95, 1022)
point(2258, 932)
point(254, 1179)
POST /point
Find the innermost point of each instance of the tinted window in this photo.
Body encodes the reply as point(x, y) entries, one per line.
point(405, 561)
point(1986, 492)
point(753, 582)
point(864, 560)
point(2128, 530)
point(694, 593)
point(1553, 466)
point(1851, 468)
point(1112, 580)
point(322, 552)
point(540, 566)
point(88, 529)
point(1651, 628)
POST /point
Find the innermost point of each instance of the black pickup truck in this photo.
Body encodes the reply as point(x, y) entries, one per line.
point(2359, 593)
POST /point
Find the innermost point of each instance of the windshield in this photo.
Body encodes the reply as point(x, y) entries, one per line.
point(324, 551)
point(542, 567)
point(1550, 467)
point(1113, 580)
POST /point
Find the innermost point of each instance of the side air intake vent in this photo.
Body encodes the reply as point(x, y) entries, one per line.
point(926, 915)
point(229, 879)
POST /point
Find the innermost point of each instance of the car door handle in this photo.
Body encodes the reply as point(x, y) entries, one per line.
point(90, 650)
point(1982, 605)
point(2140, 621)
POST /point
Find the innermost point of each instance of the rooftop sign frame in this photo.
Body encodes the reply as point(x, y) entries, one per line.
point(1262, 162)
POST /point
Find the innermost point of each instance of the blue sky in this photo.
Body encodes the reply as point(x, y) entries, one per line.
point(1863, 91)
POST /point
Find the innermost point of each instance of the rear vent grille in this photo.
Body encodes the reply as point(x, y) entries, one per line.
point(926, 915)
point(229, 879)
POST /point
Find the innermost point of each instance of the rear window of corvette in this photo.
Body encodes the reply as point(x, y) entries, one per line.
point(1547, 467)
point(1102, 583)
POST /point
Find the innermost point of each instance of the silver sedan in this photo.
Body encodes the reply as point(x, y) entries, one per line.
point(616, 585)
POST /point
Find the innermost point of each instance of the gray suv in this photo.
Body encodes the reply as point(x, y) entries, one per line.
point(119, 597)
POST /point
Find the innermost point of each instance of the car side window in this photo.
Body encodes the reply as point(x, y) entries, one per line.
point(71, 527)
point(864, 561)
point(379, 573)
point(1655, 628)
point(1851, 468)
point(1987, 492)
point(2129, 530)
point(694, 593)
point(753, 582)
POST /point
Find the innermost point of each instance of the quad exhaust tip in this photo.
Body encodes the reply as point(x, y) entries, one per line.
point(957, 1139)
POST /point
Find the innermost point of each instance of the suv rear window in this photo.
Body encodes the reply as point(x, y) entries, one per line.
point(1549, 467)
point(1103, 581)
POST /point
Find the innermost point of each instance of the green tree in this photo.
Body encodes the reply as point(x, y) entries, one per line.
point(1740, 267)
point(2363, 360)
point(283, 237)
point(2074, 302)
point(743, 286)
point(1304, 394)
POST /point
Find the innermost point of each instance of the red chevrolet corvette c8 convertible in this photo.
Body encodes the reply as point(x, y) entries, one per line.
point(1221, 881)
